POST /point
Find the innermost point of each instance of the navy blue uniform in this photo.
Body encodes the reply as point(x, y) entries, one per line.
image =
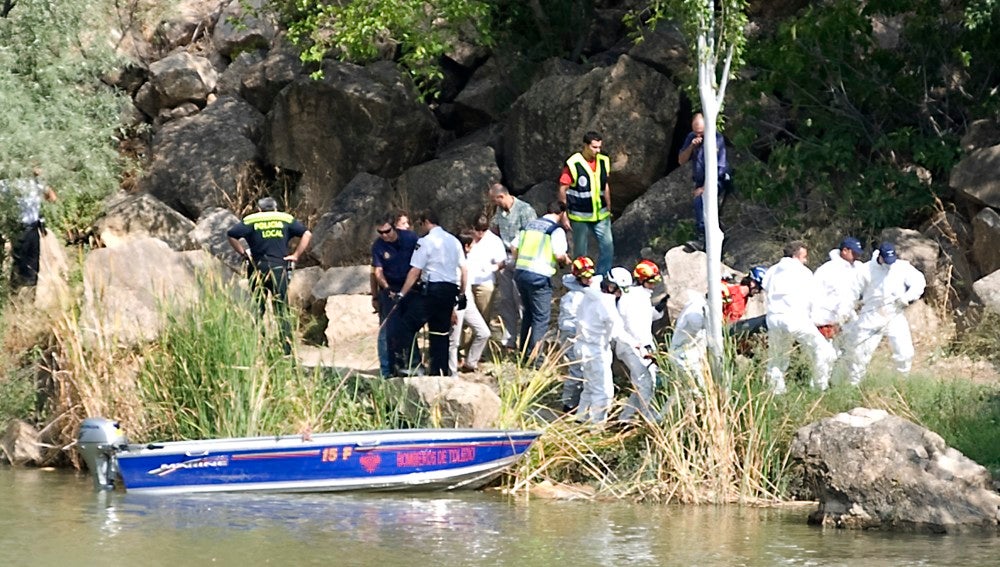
point(394, 259)
point(267, 233)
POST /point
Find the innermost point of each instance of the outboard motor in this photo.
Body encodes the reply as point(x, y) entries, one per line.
point(98, 441)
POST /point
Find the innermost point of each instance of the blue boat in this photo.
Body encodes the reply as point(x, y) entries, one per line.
point(405, 459)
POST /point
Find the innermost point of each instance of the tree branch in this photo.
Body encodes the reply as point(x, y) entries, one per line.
point(8, 5)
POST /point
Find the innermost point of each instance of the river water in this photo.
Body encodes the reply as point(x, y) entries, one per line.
point(56, 518)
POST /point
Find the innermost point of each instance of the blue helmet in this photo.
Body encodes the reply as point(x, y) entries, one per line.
point(757, 274)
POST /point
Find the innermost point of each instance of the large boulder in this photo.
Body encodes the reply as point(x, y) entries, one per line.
point(981, 133)
point(954, 237)
point(231, 80)
point(182, 77)
point(127, 289)
point(345, 280)
point(664, 49)
point(870, 469)
point(198, 161)
point(986, 240)
point(141, 216)
point(263, 80)
point(987, 289)
point(21, 444)
point(355, 119)
point(450, 401)
point(974, 178)
point(632, 105)
point(660, 207)
point(345, 233)
point(454, 186)
point(350, 317)
point(686, 273)
point(244, 25)
point(210, 234)
point(489, 93)
point(186, 21)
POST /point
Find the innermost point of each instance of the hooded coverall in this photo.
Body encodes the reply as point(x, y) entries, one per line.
point(690, 340)
point(789, 287)
point(637, 312)
point(569, 306)
point(598, 323)
point(888, 289)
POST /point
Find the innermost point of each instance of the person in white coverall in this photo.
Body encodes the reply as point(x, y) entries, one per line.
point(636, 309)
point(838, 289)
point(789, 287)
point(598, 324)
point(890, 284)
point(576, 283)
point(689, 342)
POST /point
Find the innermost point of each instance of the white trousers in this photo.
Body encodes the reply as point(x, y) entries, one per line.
point(782, 332)
point(642, 374)
point(468, 317)
point(863, 336)
point(598, 387)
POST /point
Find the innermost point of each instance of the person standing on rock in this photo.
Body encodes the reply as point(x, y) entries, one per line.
point(890, 285)
point(584, 189)
point(539, 249)
point(429, 297)
point(511, 217)
point(28, 194)
point(692, 149)
point(268, 233)
point(391, 254)
point(789, 287)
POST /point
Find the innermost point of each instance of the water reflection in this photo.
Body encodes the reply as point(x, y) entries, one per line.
point(81, 527)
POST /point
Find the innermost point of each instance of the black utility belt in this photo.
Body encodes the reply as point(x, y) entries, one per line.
point(438, 286)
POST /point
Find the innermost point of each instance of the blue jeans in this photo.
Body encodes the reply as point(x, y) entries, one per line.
point(605, 241)
point(536, 294)
point(385, 307)
point(699, 216)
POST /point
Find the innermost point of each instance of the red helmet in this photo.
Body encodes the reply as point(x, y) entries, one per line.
point(647, 271)
point(583, 267)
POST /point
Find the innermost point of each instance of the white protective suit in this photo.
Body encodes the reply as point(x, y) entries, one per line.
point(637, 312)
point(569, 306)
point(690, 340)
point(598, 323)
point(838, 289)
point(888, 289)
point(789, 287)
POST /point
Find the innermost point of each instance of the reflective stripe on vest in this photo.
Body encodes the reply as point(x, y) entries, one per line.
point(534, 250)
point(585, 198)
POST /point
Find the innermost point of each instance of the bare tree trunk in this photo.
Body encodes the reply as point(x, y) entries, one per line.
point(8, 5)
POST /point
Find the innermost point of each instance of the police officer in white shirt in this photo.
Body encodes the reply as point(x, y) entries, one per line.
point(429, 296)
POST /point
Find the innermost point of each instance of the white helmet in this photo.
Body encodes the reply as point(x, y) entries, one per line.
point(621, 277)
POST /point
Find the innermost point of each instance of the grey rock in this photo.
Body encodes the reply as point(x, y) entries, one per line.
point(198, 161)
point(349, 318)
point(264, 80)
point(490, 92)
point(231, 80)
point(685, 273)
point(142, 216)
point(454, 186)
point(981, 133)
point(345, 233)
point(148, 100)
point(870, 469)
point(188, 20)
point(664, 204)
point(128, 289)
point(663, 49)
point(239, 29)
point(344, 280)
point(954, 236)
point(356, 119)
point(632, 105)
point(458, 402)
point(300, 289)
point(974, 178)
point(210, 233)
point(183, 111)
point(182, 77)
point(987, 290)
point(21, 444)
point(541, 194)
point(986, 240)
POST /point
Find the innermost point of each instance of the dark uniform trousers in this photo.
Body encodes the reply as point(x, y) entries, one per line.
point(26, 253)
point(271, 284)
point(431, 306)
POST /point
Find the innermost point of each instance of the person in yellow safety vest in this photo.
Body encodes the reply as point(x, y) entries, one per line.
point(540, 247)
point(584, 189)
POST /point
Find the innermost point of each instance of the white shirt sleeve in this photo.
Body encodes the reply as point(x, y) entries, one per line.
point(559, 245)
point(420, 255)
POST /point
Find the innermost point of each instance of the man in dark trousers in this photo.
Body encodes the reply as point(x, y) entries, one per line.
point(391, 254)
point(268, 233)
point(692, 149)
point(429, 296)
point(27, 194)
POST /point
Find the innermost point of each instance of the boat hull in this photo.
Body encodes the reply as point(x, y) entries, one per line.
point(428, 459)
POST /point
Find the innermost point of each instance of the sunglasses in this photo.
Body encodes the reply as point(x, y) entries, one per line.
point(386, 231)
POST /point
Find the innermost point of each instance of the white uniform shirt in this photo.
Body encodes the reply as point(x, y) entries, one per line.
point(789, 287)
point(838, 288)
point(439, 256)
point(485, 258)
point(636, 308)
point(28, 193)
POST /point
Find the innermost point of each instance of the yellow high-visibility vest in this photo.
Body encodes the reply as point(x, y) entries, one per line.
point(534, 249)
point(585, 198)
